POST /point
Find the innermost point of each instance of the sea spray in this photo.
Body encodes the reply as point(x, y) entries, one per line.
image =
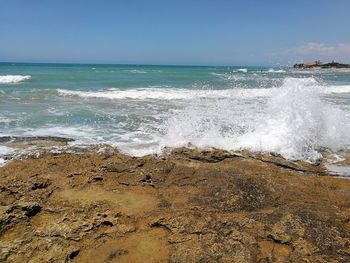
point(5, 151)
point(298, 114)
point(294, 122)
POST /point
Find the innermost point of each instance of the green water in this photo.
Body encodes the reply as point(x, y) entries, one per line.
point(141, 109)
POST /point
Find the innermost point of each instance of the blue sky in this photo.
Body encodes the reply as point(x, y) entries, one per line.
point(196, 32)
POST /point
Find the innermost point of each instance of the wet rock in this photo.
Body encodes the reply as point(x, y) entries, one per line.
point(16, 139)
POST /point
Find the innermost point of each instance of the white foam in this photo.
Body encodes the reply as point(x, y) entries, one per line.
point(2, 162)
point(293, 119)
point(138, 71)
point(162, 93)
point(341, 170)
point(6, 79)
point(5, 151)
point(5, 120)
point(243, 70)
point(80, 133)
point(336, 89)
point(232, 76)
point(168, 94)
point(295, 124)
point(217, 74)
point(271, 70)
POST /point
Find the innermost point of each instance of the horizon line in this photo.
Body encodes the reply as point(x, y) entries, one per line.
point(136, 64)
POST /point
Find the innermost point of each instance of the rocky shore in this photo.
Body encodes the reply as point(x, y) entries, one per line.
point(186, 206)
point(319, 65)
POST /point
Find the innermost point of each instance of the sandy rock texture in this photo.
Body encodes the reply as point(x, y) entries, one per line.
point(187, 206)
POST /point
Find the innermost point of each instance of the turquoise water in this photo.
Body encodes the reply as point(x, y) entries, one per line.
point(141, 109)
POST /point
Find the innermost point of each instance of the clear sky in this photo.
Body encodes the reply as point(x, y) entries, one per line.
point(197, 32)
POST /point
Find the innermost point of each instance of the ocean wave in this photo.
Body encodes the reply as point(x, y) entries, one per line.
point(6, 79)
point(295, 118)
point(217, 74)
point(271, 70)
point(138, 71)
point(241, 70)
point(5, 120)
point(167, 94)
point(296, 123)
point(74, 132)
point(336, 89)
point(230, 76)
point(154, 93)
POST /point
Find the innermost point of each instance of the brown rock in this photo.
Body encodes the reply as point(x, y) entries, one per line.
point(187, 206)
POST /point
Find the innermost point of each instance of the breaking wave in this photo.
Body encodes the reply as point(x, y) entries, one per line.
point(190, 94)
point(6, 79)
point(137, 71)
point(271, 70)
point(295, 123)
point(166, 94)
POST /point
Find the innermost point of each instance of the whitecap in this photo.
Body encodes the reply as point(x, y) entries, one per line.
point(6, 79)
point(138, 71)
point(167, 94)
point(271, 70)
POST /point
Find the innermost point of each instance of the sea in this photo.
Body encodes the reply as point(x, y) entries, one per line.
point(143, 110)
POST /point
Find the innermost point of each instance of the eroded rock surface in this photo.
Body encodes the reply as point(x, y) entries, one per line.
point(188, 206)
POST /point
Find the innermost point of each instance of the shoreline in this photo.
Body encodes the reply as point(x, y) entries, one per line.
point(24, 147)
point(188, 205)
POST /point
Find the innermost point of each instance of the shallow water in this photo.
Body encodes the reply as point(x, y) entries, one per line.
point(141, 109)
